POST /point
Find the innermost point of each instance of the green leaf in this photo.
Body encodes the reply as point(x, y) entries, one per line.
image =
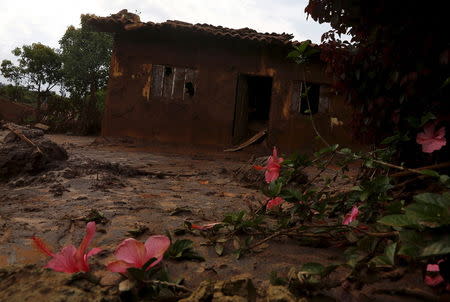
point(395, 207)
point(427, 212)
point(388, 259)
point(446, 82)
point(364, 195)
point(435, 199)
point(411, 242)
point(390, 252)
point(397, 221)
point(426, 118)
point(183, 250)
point(275, 188)
point(445, 180)
point(329, 149)
point(430, 173)
point(312, 268)
point(438, 248)
point(148, 263)
point(136, 273)
point(346, 151)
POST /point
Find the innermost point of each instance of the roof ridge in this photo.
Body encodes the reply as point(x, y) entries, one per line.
point(126, 21)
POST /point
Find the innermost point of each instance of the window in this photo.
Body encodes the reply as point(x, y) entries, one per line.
point(173, 82)
point(309, 98)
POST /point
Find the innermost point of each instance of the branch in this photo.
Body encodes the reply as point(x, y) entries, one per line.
point(24, 138)
point(169, 284)
point(418, 170)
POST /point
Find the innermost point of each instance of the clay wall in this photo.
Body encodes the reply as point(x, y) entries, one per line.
point(207, 117)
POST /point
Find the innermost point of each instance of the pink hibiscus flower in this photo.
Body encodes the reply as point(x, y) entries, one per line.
point(275, 202)
point(272, 167)
point(133, 253)
point(433, 276)
point(351, 216)
point(70, 259)
point(430, 139)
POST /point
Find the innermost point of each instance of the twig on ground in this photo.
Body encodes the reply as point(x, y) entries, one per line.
point(24, 138)
point(169, 284)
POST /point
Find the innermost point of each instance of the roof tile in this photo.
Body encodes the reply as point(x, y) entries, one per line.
point(125, 21)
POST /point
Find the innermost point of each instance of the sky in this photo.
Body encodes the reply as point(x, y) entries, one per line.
point(23, 22)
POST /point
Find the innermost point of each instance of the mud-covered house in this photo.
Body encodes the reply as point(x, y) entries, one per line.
point(204, 85)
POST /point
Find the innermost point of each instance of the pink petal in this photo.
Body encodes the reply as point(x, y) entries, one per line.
point(274, 203)
point(259, 168)
point(433, 145)
point(90, 233)
point(65, 261)
point(440, 133)
point(433, 268)
point(93, 252)
point(119, 266)
point(428, 130)
point(155, 247)
point(272, 175)
point(433, 281)
point(430, 140)
point(42, 247)
point(351, 216)
point(274, 152)
point(131, 251)
point(204, 227)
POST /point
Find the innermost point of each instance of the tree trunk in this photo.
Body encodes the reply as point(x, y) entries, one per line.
point(39, 106)
point(90, 118)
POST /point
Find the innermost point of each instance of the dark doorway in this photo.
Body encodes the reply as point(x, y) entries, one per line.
point(252, 109)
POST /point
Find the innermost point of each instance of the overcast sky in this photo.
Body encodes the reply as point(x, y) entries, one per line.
point(28, 21)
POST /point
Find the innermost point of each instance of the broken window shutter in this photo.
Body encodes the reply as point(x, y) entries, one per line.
point(157, 80)
point(178, 83)
point(168, 82)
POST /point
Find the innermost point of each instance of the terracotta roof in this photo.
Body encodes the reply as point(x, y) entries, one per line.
point(124, 21)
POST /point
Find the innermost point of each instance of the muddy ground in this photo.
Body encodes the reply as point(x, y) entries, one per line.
point(134, 187)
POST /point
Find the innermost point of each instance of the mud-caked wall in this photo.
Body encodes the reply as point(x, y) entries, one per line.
point(15, 112)
point(206, 117)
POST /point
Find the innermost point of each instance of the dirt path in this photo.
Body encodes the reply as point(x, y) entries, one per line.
point(132, 188)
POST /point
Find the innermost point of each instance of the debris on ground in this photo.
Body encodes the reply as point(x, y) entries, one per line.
point(41, 126)
point(237, 289)
point(26, 150)
point(39, 284)
point(248, 175)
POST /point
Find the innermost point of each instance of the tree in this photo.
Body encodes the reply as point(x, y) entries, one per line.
point(86, 57)
point(12, 73)
point(395, 70)
point(39, 67)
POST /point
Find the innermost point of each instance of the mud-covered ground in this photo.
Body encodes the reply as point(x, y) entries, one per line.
point(136, 188)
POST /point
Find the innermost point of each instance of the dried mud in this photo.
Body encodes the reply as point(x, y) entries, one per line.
point(128, 188)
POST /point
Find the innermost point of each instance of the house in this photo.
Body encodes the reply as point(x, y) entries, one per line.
point(204, 85)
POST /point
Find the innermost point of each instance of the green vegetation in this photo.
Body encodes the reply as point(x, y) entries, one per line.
point(79, 68)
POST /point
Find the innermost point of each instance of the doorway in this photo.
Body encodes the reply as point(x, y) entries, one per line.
point(251, 115)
